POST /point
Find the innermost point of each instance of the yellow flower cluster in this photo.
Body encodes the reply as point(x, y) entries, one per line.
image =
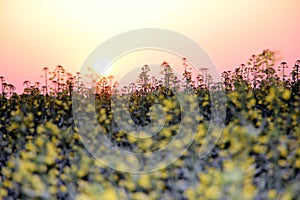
point(256, 157)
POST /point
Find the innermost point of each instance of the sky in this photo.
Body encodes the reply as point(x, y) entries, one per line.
point(39, 33)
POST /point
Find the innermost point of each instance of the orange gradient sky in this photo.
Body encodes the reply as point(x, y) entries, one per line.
point(36, 34)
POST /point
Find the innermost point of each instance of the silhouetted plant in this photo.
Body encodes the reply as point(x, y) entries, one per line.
point(187, 74)
point(168, 74)
point(144, 78)
point(46, 79)
point(2, 86)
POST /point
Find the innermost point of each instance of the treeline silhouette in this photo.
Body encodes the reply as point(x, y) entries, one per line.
point(258, 73)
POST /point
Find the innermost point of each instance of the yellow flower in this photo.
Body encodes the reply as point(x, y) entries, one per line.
point(6, 172)
point(12, 127)
point(131, 158)
point(286, 196)
point(109, 194)
point(7, 184)
point(52, 127)
point(52, 189)
point(17, 112)
point(28, 118)
point(169, 104)
point(81, 173)
point(39, 141)
point(205, 103)
point(17, 177)
point(38, 185)
point(58, 102)
point(99, 178)
point(30, 147)
point(63, 188)
point(66, 107)
point(10, 164)
point(229, 165)
point(3, 192)
point(249, 191)
point(204, 178)
point(297, 163)
point(178, 163)
point(212, 192)
point(40, 129)
point(49, 160)
point(260, 149)
point(26, 166)
point(251, 103)
point(263, 139)
point(145, 181)
point(131, 138)
point(42, 168)
point(272, 194)
point(166, 132)
point(282, 162)
point(283, 151)
point(139, 195)
point(286, 94)
point(50, 149)
point(130, 185)
point(190, 193)
point(236, 147)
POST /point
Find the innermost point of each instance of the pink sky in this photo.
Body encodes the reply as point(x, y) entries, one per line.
point(35, 34)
